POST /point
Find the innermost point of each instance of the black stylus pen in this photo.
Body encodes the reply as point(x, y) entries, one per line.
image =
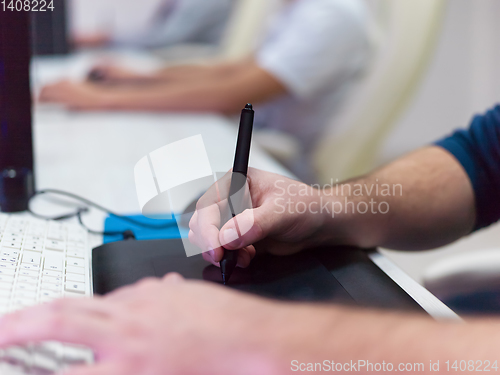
point(238, 181)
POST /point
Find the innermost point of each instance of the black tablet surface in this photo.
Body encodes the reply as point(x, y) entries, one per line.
point(340, 274)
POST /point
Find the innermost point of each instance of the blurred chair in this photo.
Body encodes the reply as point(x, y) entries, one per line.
point(468, 282)
point(405, 33)
point(241, 37)
point(246, 26)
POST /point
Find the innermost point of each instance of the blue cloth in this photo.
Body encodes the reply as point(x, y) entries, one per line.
point(114, 224)
point(478, 150)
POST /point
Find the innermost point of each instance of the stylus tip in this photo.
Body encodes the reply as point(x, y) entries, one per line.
point(224, 279)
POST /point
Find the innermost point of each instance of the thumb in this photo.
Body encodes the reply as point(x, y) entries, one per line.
point(245, 229)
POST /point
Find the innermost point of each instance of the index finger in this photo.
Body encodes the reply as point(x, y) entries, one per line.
point(206, 221)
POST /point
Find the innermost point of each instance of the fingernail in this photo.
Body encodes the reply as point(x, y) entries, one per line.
point(230, 235)
point(211, 253)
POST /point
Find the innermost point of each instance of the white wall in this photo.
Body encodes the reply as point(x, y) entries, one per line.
point(463, 79)
point(111, 17)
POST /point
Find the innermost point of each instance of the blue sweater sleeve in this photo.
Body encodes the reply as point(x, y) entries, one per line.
point(478, 150)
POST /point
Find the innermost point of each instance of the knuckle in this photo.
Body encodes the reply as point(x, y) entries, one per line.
point(58, 305)
point(192, 223)
point(200, 204)
point(56, 322)
point(148, 282)
point(192, 237)
point(257, 229)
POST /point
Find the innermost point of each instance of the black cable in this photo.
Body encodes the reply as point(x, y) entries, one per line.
point(127, 234)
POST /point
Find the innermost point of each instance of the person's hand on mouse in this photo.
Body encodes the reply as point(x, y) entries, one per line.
point(114, 74)
point(76, 95)
point(286, 218)
point(91, 40)
point(167, 326)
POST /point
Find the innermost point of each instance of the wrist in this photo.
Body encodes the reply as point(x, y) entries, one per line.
point(307, 335)
point(349, 220)
point(339, 221)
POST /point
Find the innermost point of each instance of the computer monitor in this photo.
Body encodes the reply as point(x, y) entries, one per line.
point(16, 150)
point(49, 30)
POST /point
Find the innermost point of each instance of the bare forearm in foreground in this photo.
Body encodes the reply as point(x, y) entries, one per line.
point(360, 337)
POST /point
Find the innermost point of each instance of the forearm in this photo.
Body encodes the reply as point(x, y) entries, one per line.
point(420, 201)
point(174, 98)
point(226, 95)
point(326, 334)
point(198, 72)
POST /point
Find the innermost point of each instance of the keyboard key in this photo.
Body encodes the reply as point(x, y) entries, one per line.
point(9, 253)
point(34, 239)
point(8, 278)
point(53, 263)
point(8, 260)
point(26, 286)
point(52, 287)
point(43, 364)
point(19, 302)
point(31, 273)
point(31, 258)
point(35, 267)
point(74, 295)
point(6, 285)
point(75, 262)
point(52, 280)
point(7, 271)
point(78, 270)
point(75, 254)
point(12, 245)
point(51, 349)
point(10, 266)
point(50, 294)
point(25, 295)
point(76, 246)
point(52, 273)
point(33, 247)
point(75, 277)
point(17, 355)
point(74, 355)
point(11, 232)
point(55, 245)
point(28, 280)
point(31, 241)
point(75, 287)
point(56, 236)
point(12, 238)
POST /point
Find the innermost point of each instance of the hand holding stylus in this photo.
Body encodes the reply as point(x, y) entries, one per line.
point(266, 226)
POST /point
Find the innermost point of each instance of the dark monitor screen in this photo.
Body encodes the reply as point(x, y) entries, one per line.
point(49, 30)
point(16, 154)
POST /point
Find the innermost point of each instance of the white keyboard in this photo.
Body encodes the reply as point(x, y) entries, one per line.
point(41, 260)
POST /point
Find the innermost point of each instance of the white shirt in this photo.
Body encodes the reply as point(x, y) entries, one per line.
point(316, 48)
point(182, 21)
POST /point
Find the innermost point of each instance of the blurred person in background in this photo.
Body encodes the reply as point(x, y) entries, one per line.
point(156, 24)
point(312, 53)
